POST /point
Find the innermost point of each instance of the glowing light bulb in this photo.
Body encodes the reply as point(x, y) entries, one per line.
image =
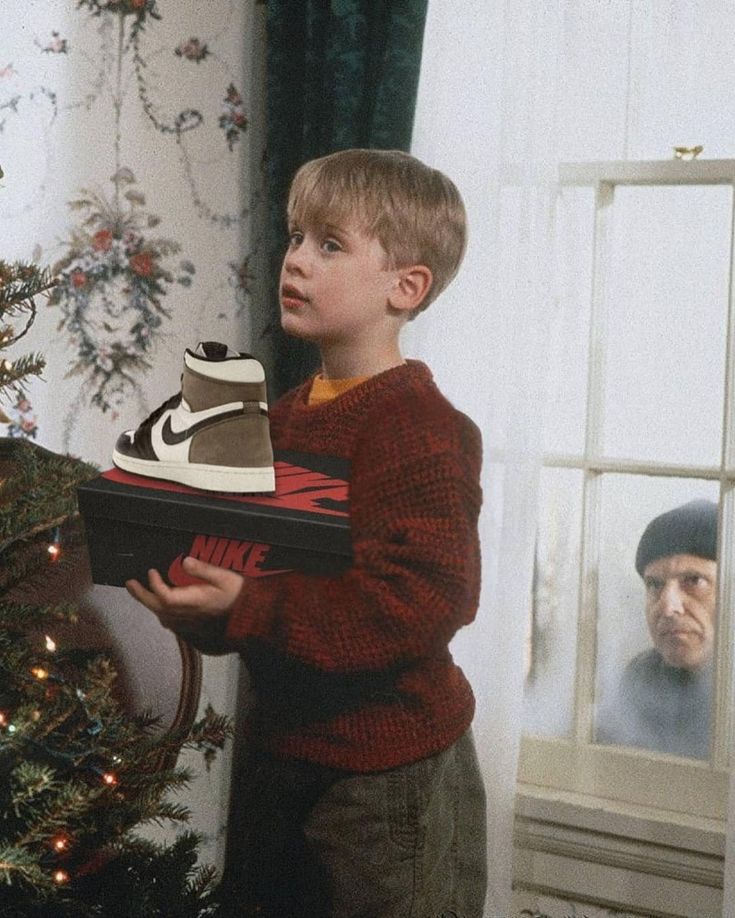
point(3, 720)
point(54, 548)
point(109, 779)
point(40, 673)
point(60, 843)
point(60, 876)
point(50, 644)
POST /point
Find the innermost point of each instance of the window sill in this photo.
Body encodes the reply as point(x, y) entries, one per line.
point(593, 850)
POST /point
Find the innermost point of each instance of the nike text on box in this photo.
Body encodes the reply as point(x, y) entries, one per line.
point(134, 523)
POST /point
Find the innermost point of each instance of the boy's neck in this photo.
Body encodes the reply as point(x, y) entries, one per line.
point(339, 363)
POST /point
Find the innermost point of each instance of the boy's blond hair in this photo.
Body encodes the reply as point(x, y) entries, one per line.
point(414, 211)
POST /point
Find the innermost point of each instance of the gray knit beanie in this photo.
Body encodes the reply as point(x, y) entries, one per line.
point(687, 530)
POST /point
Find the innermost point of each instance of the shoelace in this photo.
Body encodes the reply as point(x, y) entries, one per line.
point(146, 425)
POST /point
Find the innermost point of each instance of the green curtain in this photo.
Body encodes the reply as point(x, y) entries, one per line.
point(341, 74)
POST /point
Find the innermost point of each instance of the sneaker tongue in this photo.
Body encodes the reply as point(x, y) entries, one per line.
point(214, 350)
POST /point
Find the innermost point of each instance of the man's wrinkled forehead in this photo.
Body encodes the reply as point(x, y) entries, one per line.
point(675, 566)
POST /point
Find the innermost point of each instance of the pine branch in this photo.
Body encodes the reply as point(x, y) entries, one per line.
point(20, 283)
point(21, 559)
point(21, 616)
point(27, 781)
point(167, 811)
point(62, 807)
point(38, 528)
point(39, 491)
point(14, 374)
point(18, 865)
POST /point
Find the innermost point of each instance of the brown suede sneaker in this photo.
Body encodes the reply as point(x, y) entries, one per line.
point(214, 434)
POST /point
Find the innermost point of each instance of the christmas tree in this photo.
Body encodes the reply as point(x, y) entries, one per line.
point(79, 775)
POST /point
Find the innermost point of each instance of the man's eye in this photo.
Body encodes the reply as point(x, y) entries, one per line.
point(693, 581)
point(653, 586)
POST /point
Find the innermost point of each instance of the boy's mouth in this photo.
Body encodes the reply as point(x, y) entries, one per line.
point(292, 297)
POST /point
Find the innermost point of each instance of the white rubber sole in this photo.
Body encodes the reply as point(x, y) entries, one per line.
point(206, 477)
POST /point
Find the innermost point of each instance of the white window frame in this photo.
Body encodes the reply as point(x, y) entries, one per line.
point(610, 798)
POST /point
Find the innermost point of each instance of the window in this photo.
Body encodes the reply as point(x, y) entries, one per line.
point(640, 423)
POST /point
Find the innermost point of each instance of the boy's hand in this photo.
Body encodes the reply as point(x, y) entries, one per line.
point(197, 612)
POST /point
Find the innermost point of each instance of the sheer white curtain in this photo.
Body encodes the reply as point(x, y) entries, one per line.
point(486, 116)
point(508, 90)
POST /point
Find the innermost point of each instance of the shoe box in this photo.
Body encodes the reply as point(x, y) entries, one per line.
point(135, 523)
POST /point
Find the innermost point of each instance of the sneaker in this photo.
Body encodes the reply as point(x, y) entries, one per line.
point(214, 434)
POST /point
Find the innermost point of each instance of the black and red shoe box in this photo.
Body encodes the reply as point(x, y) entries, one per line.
point(135, 523)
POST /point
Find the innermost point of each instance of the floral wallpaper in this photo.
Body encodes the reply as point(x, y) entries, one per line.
point(131, 147)
point(131, 139)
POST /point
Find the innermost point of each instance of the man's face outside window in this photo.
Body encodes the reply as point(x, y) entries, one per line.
point(681, 591)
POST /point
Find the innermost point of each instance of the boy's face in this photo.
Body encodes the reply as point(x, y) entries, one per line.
point(335, 285)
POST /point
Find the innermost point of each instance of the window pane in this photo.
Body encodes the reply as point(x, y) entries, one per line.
point(552, 627)
point(666, 323)
point(654, 657)
point(566, 399)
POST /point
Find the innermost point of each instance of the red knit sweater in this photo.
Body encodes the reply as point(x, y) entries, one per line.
point(353, 670)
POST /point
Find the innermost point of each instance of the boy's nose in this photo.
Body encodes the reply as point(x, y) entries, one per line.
point(294, 261)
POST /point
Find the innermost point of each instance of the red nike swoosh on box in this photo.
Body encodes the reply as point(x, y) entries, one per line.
point(297, 488)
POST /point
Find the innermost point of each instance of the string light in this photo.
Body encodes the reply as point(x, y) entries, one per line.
point(50, 644)
point(60, 843)
point(40, 673)
point(61, 876)
point(107, 777)
point(54, 549)
point(3, 719)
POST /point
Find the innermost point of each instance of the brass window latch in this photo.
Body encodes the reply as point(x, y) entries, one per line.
point(688, 153)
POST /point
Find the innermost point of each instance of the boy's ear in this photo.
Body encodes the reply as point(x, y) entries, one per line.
point(411, 287)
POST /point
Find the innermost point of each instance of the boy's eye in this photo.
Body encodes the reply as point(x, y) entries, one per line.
point(331, 245)
point(295, 238)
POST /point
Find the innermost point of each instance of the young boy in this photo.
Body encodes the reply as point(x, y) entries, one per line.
point(360, 794)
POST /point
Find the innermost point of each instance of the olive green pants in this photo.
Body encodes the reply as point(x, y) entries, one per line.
point(311, 842)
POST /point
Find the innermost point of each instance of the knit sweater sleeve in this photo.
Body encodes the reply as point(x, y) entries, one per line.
point(415, 577)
